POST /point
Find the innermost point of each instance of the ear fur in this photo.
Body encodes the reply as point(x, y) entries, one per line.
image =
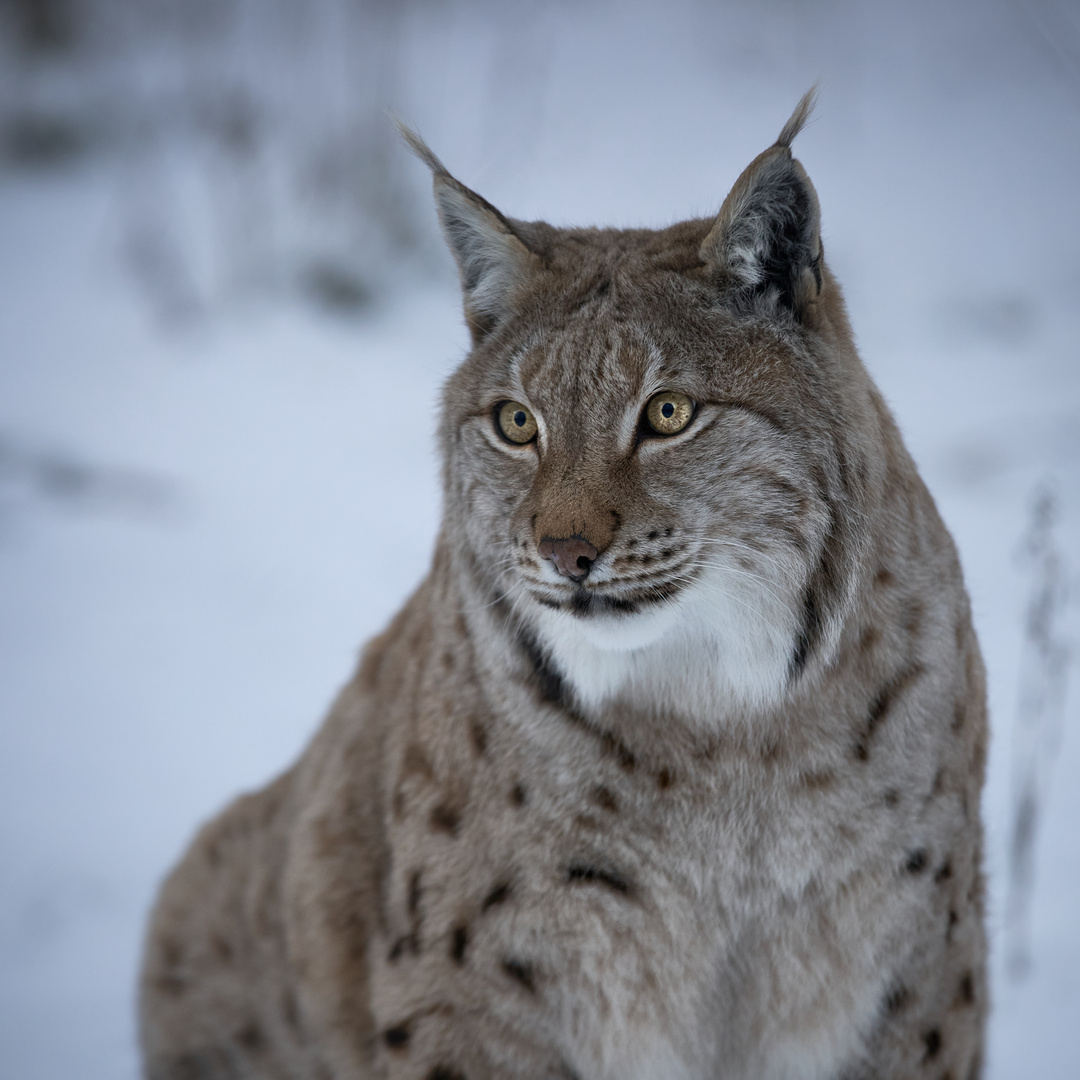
point(766, 239)
point(492, 259)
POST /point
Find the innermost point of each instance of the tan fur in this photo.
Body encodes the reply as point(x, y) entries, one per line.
point(526, 843)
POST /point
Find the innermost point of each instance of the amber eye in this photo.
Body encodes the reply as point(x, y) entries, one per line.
point(516, 422)
point(669, 412)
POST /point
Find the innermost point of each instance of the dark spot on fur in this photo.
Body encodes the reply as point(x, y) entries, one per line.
point(545, 602)
point(222, 949)
point(953, 920)
point(517, 795)
point(819, 781)
point(549, 682)
point(593, 875)
point(416, 891)
point(944, 873)
point(497, 896)
point(892, 797)
point(932, 1039)
point(479, 737)
point(879, 707)
point(171, 985)
point(663, 779)
point(884, 579)
point(667, 531)
point(666, 553)
point(172, 952)
point(289, 1010)
point(966, 993)
point(895, 1000)
point(250, 1036)
point(807, 636)
point(196, 1065)
point(939, 784)
point(619, 751)
point(916, 861)
point(448, 661)
point(521, 972)
point(446, 819)
point(458, 941)
point(443, 1072)
point(653, 535)
point(911, 616)
point(397, 1038)
point(415, 762)
point(871, 636)
point(959, 715)
point(401, 947)
point(603, 798)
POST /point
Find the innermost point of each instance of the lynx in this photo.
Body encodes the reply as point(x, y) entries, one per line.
point(671, 766)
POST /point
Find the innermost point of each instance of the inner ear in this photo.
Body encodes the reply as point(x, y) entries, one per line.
point(492, 258)
point(766, 240)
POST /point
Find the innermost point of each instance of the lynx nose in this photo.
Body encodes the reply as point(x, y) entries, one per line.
point(573, 557)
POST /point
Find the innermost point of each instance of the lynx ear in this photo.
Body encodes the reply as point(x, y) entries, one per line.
point(766, 240)
point(492, 259)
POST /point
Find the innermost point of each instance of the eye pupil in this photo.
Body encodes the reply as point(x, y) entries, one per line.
point(520, 418)
point(667, 409)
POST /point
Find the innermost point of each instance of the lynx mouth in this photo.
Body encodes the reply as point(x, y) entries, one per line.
point(586, 603)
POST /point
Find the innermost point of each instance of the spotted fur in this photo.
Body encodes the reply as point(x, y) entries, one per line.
point(707, 809)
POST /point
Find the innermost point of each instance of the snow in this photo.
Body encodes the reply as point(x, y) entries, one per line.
point(201, 523)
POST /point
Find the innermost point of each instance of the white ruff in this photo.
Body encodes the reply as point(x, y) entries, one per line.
point(726, 641)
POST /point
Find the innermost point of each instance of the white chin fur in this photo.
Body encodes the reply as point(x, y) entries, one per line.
point(725, 642)
point(624, 633)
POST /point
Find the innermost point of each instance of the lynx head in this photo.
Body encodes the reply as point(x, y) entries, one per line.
point(652, 452)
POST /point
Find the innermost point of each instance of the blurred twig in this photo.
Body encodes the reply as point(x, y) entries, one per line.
point(1039, 715)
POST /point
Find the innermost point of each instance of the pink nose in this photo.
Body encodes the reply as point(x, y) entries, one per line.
point(573, 557)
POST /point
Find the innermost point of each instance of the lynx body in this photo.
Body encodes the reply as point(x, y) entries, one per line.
point(671, 767)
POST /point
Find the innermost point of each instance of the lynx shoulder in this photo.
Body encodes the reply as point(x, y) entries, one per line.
point(671, 766)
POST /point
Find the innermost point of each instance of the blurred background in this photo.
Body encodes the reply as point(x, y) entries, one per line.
point(225, 313)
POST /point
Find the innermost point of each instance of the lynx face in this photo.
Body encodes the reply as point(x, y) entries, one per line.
point(637, 449)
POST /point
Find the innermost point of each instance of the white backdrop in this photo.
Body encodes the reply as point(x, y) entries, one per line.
point(203, 517)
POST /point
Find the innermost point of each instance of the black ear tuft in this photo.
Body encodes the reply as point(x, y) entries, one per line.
point(492, 258)
point(766, 238)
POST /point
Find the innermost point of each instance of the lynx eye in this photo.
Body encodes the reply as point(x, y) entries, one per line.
point(669, 412)
point(516, 422)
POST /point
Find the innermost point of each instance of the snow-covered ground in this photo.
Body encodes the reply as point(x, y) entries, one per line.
point(200, 524)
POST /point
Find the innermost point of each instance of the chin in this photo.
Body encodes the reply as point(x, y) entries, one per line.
point(611, 627)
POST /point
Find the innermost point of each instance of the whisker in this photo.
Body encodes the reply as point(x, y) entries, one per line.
point(764, 582)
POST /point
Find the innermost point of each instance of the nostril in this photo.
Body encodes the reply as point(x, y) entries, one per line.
point(584, 564)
